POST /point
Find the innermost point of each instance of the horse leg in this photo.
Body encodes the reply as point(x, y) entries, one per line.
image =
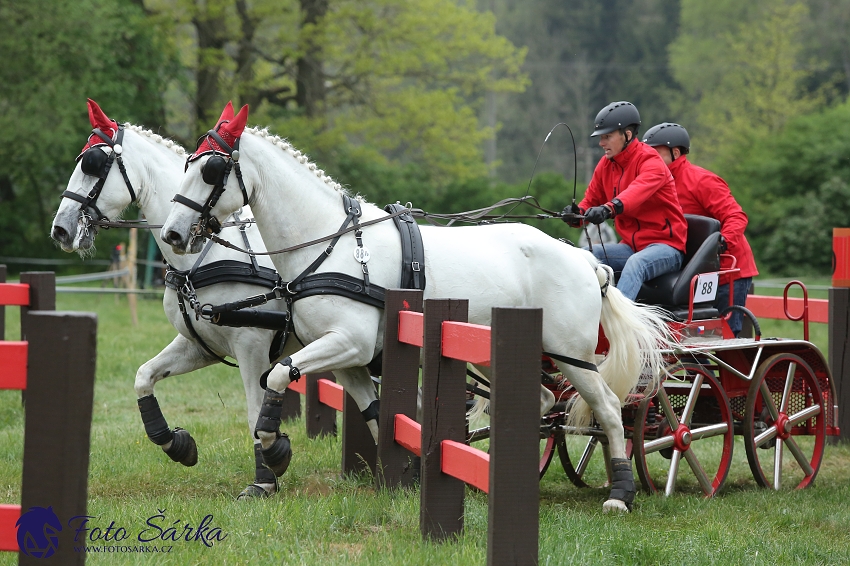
point(358, 383)
point(252, 361)
point(179, 357)
point(606, 409)
point(331, 352)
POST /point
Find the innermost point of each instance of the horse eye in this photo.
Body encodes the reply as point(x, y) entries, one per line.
point(93, 161)
point(213, 170)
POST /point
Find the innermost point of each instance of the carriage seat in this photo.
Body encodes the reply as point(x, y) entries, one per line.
point(671, 291)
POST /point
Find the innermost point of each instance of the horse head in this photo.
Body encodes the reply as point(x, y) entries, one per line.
point(105, 181)
point(202, 199)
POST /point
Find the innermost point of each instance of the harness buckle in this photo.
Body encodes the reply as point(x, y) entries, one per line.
point(415, 266)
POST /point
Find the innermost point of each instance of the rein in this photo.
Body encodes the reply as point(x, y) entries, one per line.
point(351, 228)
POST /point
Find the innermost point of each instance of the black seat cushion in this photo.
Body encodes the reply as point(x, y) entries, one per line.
point(672, 290)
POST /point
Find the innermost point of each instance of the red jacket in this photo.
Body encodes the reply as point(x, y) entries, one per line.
point(640, 179)
point(704, 193)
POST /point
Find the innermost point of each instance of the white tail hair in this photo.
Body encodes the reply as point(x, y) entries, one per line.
point(637, 334)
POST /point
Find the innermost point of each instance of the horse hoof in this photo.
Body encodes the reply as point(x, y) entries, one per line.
point(277, 456)
point(183, 448)
point(615, 505)
point(256, 491)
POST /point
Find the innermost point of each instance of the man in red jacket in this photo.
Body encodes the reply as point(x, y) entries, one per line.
point(632, 185)
point(704, 193)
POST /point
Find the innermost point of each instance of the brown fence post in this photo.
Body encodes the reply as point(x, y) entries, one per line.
point(60, 386)
point(291, 406)
point(839, 354)
point(514, 496)
point(321, 419)
point(42, 295)
point(359, 451)
point(399, 388)
point(443, 395)
point(839, 319)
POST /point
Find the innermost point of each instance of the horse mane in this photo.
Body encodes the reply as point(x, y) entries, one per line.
point(170, 144)
point(301, 158)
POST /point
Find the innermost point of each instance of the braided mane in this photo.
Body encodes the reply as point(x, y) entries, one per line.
point(301, 158)
point(170, 144)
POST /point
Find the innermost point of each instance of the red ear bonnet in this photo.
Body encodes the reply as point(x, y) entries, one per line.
point(229, 127)
point(99, 120)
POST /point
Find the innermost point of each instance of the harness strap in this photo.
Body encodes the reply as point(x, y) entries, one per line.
point(353, 209)
point(573, 361)
point(187, 320)
point(412, 248)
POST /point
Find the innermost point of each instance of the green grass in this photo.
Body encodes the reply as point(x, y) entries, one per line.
point(321, 518)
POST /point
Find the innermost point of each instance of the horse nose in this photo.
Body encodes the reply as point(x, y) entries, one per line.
point(173, 238)
point(60, 235)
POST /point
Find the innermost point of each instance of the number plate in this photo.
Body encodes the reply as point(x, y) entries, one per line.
point(706, 288)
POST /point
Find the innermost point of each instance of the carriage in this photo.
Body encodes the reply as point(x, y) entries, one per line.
point(776, 394)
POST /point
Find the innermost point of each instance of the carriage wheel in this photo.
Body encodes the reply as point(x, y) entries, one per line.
point(785, 410)
point(589, 470)
point(548, 442)
point(689, 417)
point(547, 449)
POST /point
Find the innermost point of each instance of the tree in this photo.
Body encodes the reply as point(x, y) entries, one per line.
point(740, 68)
point(55, 55)
point(582, 55)
point(799, 180)
point(386, 80)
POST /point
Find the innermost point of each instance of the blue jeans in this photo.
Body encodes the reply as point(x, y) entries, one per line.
point(742, 286)
point(635, 268)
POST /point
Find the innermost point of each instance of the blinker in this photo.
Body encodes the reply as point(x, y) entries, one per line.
point(93, 162)
point(213, 170)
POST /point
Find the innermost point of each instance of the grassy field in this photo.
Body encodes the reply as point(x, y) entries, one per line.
point(320, 518)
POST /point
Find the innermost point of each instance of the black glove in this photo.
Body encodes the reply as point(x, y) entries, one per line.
point(722, 246)
point(572, 215)
point(597, 214)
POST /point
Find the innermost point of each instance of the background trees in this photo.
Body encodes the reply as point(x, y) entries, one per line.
point(444, 103)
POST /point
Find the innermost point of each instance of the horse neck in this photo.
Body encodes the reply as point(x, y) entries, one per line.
point(291, 204)
point(160, 172)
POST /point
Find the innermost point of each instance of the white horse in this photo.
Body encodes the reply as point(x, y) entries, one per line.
point(492, 265)
point(154, 167)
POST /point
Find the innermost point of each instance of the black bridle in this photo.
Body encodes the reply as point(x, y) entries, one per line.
point(96, 163)
point(214, 172)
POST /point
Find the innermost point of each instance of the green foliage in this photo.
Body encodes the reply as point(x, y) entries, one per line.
point(741, 69)
point(55, 55)
point(797, 187)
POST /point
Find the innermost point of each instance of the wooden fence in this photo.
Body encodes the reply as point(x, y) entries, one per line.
point(54, 364)
point(509, 473)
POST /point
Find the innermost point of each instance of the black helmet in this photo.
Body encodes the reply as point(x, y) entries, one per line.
point(615, 116)
point(670, 135)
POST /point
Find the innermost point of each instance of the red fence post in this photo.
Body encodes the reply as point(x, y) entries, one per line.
point(443, 394)
point(321, 419)
point(60, 386)
point(514, 495)
point(839, 319)
point(399, 388)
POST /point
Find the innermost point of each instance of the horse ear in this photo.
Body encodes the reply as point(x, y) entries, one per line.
point(237, 124)
point(226, 114)
point(98, 119)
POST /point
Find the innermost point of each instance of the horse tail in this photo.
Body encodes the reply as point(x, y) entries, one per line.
point(636, 333)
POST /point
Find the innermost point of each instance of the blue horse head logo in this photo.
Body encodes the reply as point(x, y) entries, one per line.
point(38, 532)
